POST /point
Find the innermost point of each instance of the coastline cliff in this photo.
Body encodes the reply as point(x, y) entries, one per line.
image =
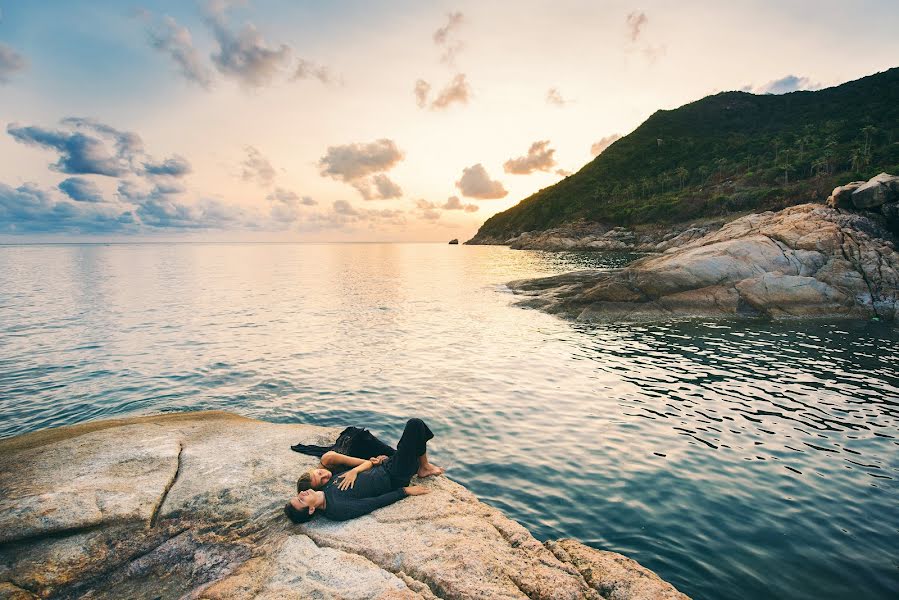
point(190, 505)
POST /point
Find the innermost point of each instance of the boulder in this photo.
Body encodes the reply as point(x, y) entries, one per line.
point(876, 192)
point(841, 197)
point(190, 505)
point(804, 261)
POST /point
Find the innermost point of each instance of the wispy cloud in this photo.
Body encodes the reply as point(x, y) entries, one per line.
point(287, 206)
point(256, 167)
point(456, 91)
point(244, 54)
point(784, 85)
point(422, 89)
point(307, 69)
point(11, 62)
point(554, 97)
point(597, 148)
point(175, 40)
point(538, 158)
point(445, 37)
point(363, 165)
point(431, 211)
point(476, 183)
point(635, 22)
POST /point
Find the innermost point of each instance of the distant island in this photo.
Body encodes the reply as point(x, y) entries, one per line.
point(689, 170)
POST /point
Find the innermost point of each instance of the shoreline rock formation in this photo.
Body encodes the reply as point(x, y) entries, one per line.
point(804, 261)
point(189, 505)
point(586, 236)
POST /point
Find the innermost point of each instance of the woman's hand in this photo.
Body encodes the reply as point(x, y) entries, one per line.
point(377, 460)
point(416, 490)
point(347, 480)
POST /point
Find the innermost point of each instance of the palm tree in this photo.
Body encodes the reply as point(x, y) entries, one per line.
point(869, 131)
point(682, 174)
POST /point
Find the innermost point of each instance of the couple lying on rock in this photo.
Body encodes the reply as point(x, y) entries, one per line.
point(367, 485)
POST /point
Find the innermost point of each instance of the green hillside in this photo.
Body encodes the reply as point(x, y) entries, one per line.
point(728, 153)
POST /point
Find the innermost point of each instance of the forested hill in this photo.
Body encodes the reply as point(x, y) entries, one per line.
point(728, 153)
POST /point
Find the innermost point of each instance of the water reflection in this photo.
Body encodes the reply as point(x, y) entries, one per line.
point(739, 460)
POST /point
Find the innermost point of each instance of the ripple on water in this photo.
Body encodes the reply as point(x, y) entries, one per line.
point(737, 459)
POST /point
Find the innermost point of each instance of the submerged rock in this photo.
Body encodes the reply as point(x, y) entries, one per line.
point(804, 261)
point(190, 505)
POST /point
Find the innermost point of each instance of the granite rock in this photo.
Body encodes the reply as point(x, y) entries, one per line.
point(803, 261)
point(189, 505)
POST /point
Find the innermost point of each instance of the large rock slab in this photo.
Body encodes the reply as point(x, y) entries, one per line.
point(804, 261)
point(190, 505)
point(876, 192)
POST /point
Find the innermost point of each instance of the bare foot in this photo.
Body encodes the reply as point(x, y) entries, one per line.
point(429, 470)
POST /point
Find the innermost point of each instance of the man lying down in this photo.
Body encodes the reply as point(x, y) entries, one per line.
point(369, 484)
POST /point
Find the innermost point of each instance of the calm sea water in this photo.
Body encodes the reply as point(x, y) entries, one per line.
point(738, 460)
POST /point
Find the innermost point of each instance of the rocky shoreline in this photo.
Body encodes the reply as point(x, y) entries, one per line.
point(188, 505)
point(812, 260)
point(586, 236)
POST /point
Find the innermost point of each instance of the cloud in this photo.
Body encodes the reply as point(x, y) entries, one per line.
point(431, 211)
point(176, 166)
point(244, 54)
point(10, 62)
point(80, 153)
point(784, 85)
point(81, 190)
point(453, 203)
point(427, 210)
point(554, 96)
point(456, 91)
point(598, 147)
point(539, 158)
point(256, 167)
point(476, 183)
point(385, 188)
point(160, 207)
point(175, 40)
point(422, 89)
point(563, 172)
point(362, 165)
point(445, 37)
point(286, 206)
point(28, 209)
point(306, 69)
point(343, 213)
point(89, 147)
point(635, 23)
point(453, 21)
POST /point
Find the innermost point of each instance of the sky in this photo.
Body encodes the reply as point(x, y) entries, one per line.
point(347, 120)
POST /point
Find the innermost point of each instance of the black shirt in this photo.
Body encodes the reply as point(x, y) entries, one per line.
point(371, 491)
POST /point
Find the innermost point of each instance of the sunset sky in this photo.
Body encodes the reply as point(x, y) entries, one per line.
point(365, 121)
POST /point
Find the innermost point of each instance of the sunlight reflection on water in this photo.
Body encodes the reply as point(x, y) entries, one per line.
point(737, 459)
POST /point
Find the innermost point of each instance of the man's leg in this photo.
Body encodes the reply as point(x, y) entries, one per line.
point(411, 453)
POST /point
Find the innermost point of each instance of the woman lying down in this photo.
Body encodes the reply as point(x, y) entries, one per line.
point(369, 484)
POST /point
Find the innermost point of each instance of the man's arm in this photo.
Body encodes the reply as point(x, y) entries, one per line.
point(356, 507)
point(351, 508)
